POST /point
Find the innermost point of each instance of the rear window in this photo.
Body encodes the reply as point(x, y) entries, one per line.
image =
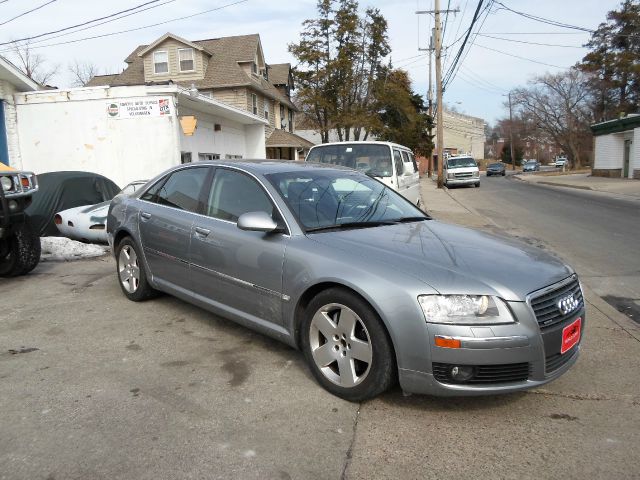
point(374, 160)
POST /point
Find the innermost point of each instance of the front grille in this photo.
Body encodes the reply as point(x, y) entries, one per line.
point(555, 361)
point(545, 305)
point(510, 372)
point(464, 175)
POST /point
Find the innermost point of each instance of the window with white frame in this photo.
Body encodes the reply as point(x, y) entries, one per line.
point(291, 121)
point(266, 109)
point(254, 103)
point(232, 157)
point(160, 62)
point(208, 156)
point(185, 57)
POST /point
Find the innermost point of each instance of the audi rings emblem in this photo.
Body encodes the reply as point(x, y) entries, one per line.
point(567, 304)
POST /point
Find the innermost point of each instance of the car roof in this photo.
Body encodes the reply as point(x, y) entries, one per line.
point(263, 166)
point(362, 142)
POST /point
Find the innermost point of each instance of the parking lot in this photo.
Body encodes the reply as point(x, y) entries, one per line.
point(95, 386)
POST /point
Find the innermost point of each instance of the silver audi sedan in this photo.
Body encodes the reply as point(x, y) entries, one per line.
point(369, 287)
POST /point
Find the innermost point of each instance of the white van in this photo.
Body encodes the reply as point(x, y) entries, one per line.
point(392, 164)
point(460, 170)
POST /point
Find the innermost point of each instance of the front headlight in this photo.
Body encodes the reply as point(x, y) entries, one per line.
point(465, 309)
point(476, 174)
point(451, 175)
point(6, 183)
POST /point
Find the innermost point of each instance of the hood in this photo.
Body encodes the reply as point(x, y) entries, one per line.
point(452, 259)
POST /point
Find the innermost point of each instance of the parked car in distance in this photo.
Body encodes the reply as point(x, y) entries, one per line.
point(561, 162)
point(531, 166)
point(495, 169)
point(391, 163)
point(461, 170)
point(331, 261)
point(88, 222)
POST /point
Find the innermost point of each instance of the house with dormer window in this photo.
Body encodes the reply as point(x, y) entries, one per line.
point(231, 70)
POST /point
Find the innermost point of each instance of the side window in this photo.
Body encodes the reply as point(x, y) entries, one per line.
point(397, 160)
point(150, 195)
point(415, 163)
point(182, 189)
point(234, 193)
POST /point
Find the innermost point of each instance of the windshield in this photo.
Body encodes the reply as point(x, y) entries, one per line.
point(326, 199)
point(531, 162)
point(461, 162)
point(374, 160)
point(131, 188)
point(495, 165)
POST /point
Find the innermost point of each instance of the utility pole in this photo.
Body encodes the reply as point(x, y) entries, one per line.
point(429, 100)
point(513, 158)
point(438, 50)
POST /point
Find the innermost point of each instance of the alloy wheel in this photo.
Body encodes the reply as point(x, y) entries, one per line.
point(129, 269)
point(340, 345)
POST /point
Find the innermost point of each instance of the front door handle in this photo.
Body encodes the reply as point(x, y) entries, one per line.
point(202, 231)
point(145, 215)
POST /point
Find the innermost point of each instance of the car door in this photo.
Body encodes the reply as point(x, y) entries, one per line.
point(166, 216)
point(411, 177)
point(235, 270)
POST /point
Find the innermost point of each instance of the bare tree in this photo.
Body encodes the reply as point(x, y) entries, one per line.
point(560, 107)
point(82, 72)
point(33, 65)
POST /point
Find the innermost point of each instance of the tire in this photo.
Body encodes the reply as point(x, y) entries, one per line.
point(478, 185)
point(21, 251)
point(503, 174)
point(132, 276)
point(335, 321)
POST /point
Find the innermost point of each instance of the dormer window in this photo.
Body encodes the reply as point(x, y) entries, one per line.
point(185, 56)
point(254, 68)
point(160, 62)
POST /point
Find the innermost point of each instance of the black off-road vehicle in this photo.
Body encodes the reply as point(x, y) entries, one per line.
point(19, 242)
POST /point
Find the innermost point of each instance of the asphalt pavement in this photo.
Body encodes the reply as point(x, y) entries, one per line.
point(93, 386)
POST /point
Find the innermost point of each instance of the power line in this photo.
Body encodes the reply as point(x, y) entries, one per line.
point(536, 33)
point(28, 11)
point(88, 27)
point(139, 28)
point(544, 20)
point(521, 58)
point(484, 81)
point(480, 82)
point(459, 54)
point(486, 12)
point(529, 43)
point(79, 24)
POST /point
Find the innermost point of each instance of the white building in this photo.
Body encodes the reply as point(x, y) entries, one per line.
point(12, 81)
point(130, 132)
point(463, 134)
point(617, 148)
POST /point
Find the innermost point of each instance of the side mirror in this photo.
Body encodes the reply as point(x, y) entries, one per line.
point(257, 222)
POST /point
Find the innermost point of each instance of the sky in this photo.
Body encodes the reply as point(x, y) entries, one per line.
point(489, 69)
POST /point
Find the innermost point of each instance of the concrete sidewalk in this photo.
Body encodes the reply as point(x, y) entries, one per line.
point(584, 181)
point(442, 206)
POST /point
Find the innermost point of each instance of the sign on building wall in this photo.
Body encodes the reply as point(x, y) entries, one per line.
point(139, 107)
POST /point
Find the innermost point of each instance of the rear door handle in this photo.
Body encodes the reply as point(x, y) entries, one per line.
point(202, 231)
point(145, 215)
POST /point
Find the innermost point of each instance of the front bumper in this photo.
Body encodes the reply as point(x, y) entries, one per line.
point(463, 181)
point(501, 350)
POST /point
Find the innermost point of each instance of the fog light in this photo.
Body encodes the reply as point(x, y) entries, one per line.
point(13, 205)
point(461, 373)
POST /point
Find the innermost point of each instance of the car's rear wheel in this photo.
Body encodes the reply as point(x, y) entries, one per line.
point(503, 173)
point(347, 347)
point(131, 273)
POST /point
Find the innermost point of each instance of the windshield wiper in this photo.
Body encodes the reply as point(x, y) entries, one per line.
point(411, 219)
point(348, 225)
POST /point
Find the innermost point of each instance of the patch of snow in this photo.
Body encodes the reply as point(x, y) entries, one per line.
point(62, 248)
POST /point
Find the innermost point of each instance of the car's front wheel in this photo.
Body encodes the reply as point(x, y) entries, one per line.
point(131, 274)
point(347, 346)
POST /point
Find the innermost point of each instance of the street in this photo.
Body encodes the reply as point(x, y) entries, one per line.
point(95, 386)
point(596, 233)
